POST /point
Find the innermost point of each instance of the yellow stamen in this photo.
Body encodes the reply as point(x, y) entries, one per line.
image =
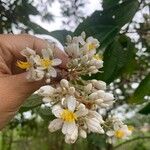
point(98, 57)
point(46, 63)
point(119, 134)
point(91, 46)
point(131, 128)
point(68, 116)
point(23, 65)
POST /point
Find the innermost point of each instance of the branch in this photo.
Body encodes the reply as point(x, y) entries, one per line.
point(131, 140)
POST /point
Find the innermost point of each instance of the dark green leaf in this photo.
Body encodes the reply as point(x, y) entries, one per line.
point(109, 3)
point(142, 90)
point(60, 35)
point(145, 110)
point(117, 57)
point(45, 113)
point(105, 25)
point(31, 102)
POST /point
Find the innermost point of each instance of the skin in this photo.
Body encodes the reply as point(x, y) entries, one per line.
point(14, 87)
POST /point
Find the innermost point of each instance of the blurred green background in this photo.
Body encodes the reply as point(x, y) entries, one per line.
point(123, 29)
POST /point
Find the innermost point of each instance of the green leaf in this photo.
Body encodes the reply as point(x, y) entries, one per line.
point(106, 25)
point(96, 141)
point(31, 102)
point(45, 113)
point(60, 35)
point(142, 90)
point(109, 3)
point(145, 110)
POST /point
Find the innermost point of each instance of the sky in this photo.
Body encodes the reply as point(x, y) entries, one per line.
point(90, 7)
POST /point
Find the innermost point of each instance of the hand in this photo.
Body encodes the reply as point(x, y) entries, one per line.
point(14, 87)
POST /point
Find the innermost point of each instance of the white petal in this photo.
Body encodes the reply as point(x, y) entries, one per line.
point(95, 128)
point(52, 72)
point(71, 103)
point(96, 115)
point(57, 110)
point(55, 125)
point(37, 60)
point(71, 138)
point(82, 111)
point(68, 127)
point(45, 54)
point(56, 62)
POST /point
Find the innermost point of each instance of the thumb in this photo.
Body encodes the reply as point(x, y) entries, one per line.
point(14, 89)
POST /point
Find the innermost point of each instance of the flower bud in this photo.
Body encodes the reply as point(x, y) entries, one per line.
point(100, 85)
point(48, 81)
point(68, 38)
point(99, 101)
point(64, 83)
point(108, 97)
point(88, 88)
point(46, 91)
point(82, 133)
point(93, 96)
point(71, 90)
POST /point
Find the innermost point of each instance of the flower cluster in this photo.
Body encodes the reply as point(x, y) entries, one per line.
point(39, 67)
point(76, 102)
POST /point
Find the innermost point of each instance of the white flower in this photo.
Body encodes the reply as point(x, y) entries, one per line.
point(118, 131)
point(121, 133)
point(67, 118)
point(47, 62)
point(90, 46)
point(38, 67)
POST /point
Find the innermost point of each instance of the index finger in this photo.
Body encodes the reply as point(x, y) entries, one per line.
point(16, 43)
